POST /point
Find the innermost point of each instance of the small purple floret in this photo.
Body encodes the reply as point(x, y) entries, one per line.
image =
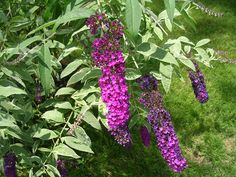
point(198, 84)
point(62, 168)
point(10, 165)
point(145, 136)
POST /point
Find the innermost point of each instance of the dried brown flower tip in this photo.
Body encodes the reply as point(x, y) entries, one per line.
point(76, 123)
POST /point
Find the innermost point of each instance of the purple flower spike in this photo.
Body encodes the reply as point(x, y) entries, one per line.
point(108, 56)
point(167, 140)
point(198, 84)
point(160, 121)
point(10, 165)
point(62, 168)
point(145, 136)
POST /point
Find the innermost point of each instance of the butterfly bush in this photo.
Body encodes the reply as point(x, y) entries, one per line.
point(145, 136)
point(198, 84)
point(10, 165)
point(62, 168)
point(108, 56)
point(160, 121)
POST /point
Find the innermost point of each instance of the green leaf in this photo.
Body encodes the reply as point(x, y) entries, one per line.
point(29, 41)
point(45, 25)
point(166, 82)
point(64, 150)
point(184, 39)
point(65, 91)
point(45, 69)
point(158, 32)
point(186, 61)
point(170, 8)
point(53, 169)
point(53, 116)
point(202, 56)
point(202, 42)
point(166, 74)
point(71, 68)
point(76, 144)
point(94, 73)
point(82, 93)
point(16, 132)
point(147, 49)
point(45, 134)
point(9, 106)
point(7, 121)
point(74, 14)
point(132, 74)
point(189, 19)
point(67, 52)
point(82, 136)
point(9, 90)
point(133, 15)
point(18, 22)
point(63, 105)
point(166, 70)
point(78, 76)
point(24, 74)
point(153, 51)
point(164, 56)
point(156, 75)
point(91, 120)
point(14, 75)
point(168, 24)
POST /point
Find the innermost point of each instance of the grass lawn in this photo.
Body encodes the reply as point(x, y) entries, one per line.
point(207, 133)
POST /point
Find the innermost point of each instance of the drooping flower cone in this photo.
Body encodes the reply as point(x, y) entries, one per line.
point(161, 124)
point(108, 56)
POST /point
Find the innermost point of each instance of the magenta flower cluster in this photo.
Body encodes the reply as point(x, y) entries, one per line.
point(160, 121)
point(198, 84)
point(10, 165)
point(62, 168)
point(145, 136)
point(108, 56)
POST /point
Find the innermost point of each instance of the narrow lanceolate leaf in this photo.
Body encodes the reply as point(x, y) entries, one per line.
point(64, 105)
point(166, 74)
point(202, 42)
point(78, 76)
point(132, 74)
point(65, 91)
point(170, 8)
point(9, 90)
point(64, 150)
point(45, 68)
point(186, 61)
point(53, 169)
point(53, 116)
point(74, 14)
point(76, 144)
point(45, 134)
point(14, 75)
point(82, 136)
point(91, 120)
point(133, 16)
point(71, 68)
